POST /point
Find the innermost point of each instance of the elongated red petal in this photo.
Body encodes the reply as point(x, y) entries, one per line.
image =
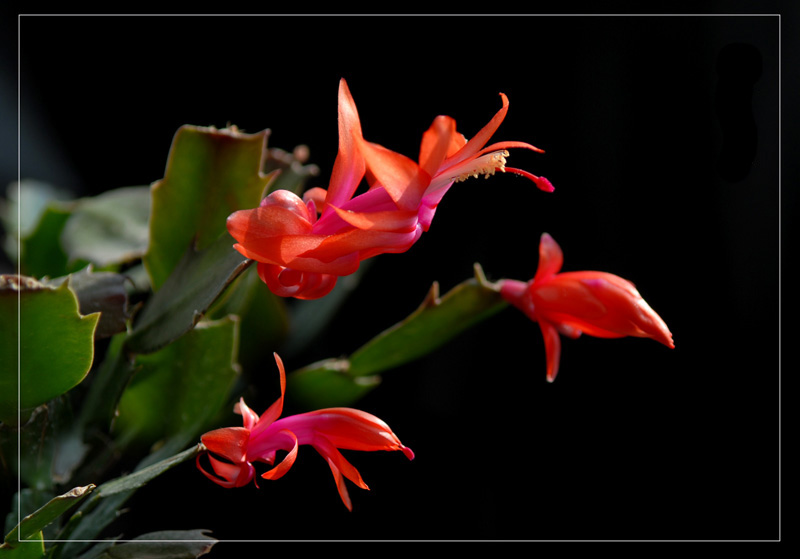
point(508, 144)
point(476, 143)
point(551, 258)
point(552, 348)
point(403, 179)
point(566, 296)
point(335, 458)
point(355, 430)
point(228, 442)
point(232, 475)
point(389, 220)
point(264, 222)
point(307, 253)
point(316, 195)
point(287, 462)
point(249, 417)
point(599, 304)
point(287, 282)
point(439, 141)
point(349, 167)
point(321, 286)
point(340, 468)
point(270, 274)
point(366, 242)
point(275, 410)
point(236, 475)
point(340, 485)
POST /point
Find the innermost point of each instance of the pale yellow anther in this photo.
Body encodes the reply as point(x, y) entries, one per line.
point(485, 165)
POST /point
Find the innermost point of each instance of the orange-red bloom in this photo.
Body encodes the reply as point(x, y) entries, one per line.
point(326, 430)
point(572, 303)
point(303, 245)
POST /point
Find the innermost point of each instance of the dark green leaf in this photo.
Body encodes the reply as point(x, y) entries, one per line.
point(263, 317)
point(25, 502)
point(95, 416)
point(140, 477)
point(327, 384)
point(102, 397)
point(99, 511)
point(170, 544)
point(29, 450)
point(179, 389)
point(433, 324)
point(35, 522)
point(197, 281)
point(307, 319)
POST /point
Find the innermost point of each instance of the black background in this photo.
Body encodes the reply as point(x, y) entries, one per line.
point(662, 138)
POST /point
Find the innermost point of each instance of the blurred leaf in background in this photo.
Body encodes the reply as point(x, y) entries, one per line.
point(32, 215)
point(110, 228)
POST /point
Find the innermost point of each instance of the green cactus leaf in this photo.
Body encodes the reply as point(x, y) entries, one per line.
point(49, 344)
point(195, 283)
point(210, 174)
point(438, 320)
point(167, 544)
point(33, 524)
point(178, 390)
point(103, 292)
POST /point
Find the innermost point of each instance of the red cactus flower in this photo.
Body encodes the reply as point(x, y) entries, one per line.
point(303, 245)
point(574, 303)
point(232, 450)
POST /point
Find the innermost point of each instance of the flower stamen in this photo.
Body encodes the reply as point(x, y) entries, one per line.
point(485, 165)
